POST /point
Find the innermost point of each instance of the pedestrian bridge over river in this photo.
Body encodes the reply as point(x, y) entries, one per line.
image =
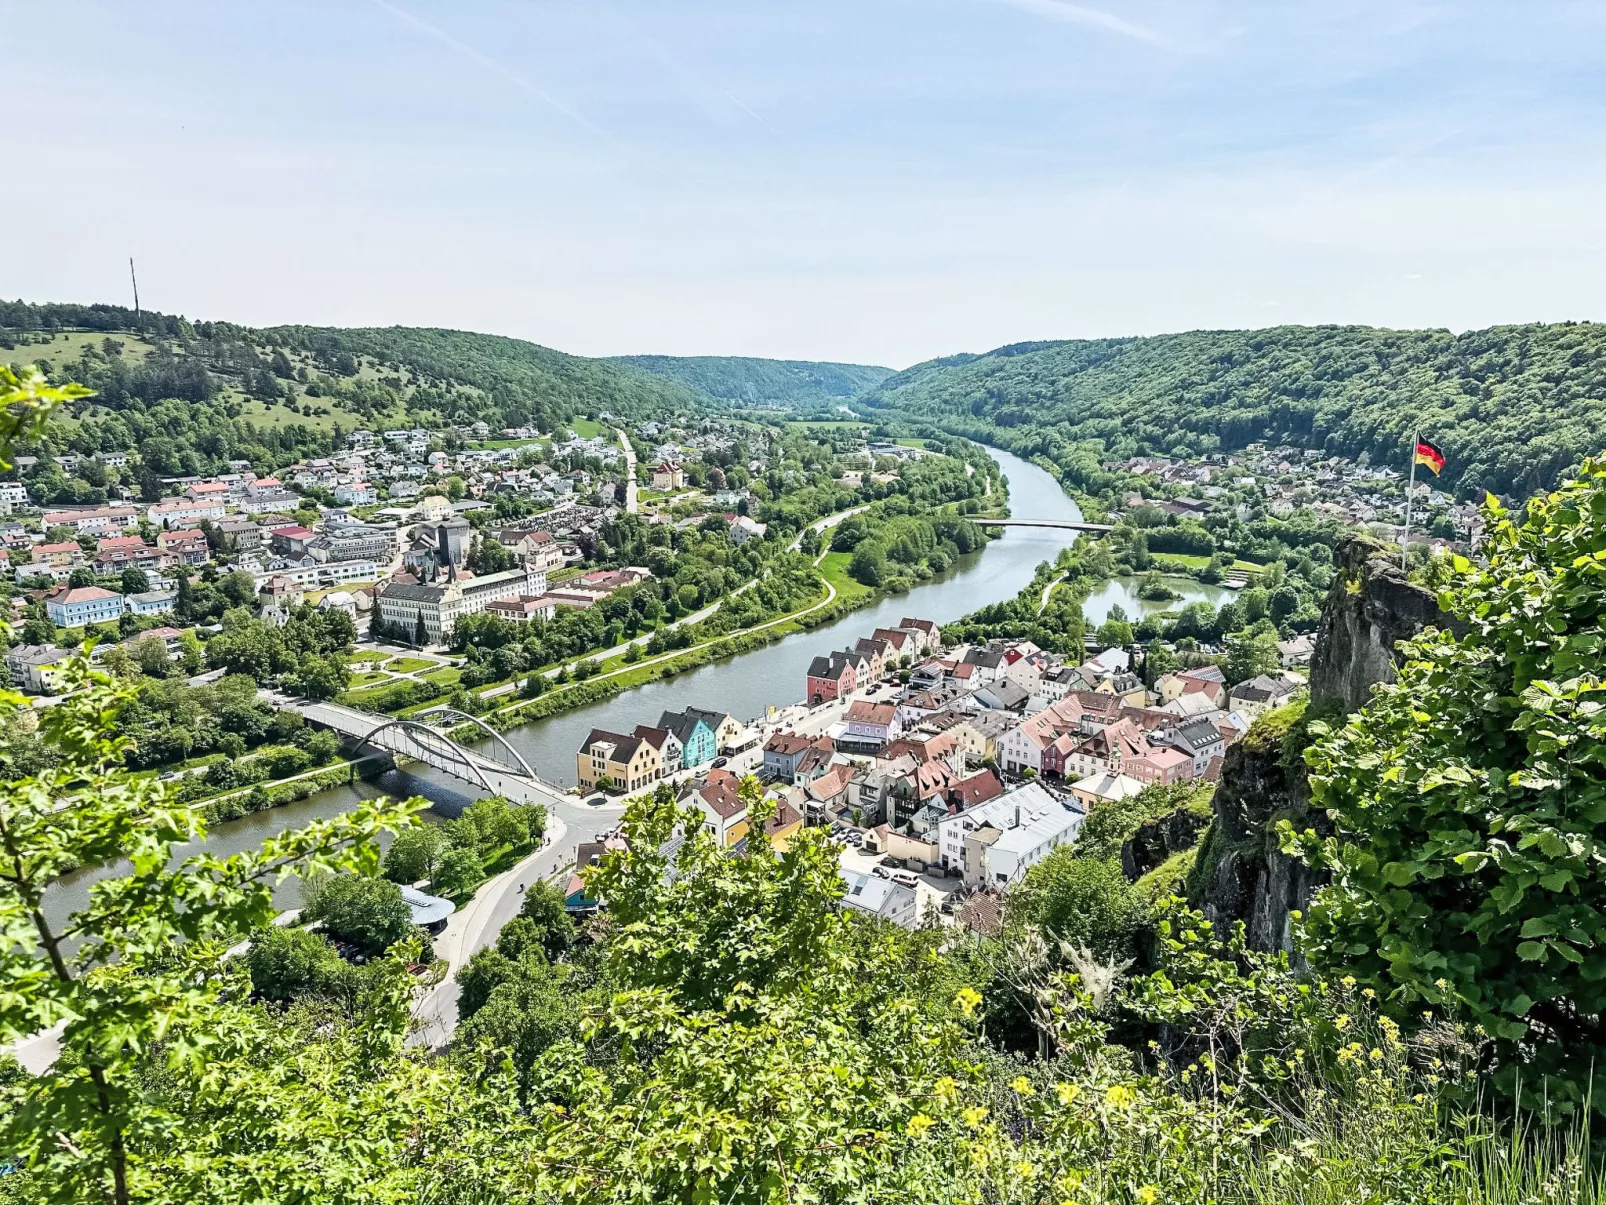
point(1096, 529)
point(498, 770)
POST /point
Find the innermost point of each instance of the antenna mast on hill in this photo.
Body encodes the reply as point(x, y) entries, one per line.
point(135, 281)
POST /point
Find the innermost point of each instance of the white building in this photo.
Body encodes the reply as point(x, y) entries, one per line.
point(441, 605)
point(1018, 830)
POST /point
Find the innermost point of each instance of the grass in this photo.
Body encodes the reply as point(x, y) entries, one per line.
point(834, 569)
point(409, 665)
point(69, 345)
point(368, 678)
point(799, 424)
point(279, 416)
point(586, 428)
point(1199, 562)
point(445, 676)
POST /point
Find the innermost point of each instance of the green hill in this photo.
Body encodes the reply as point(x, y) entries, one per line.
point(1513, 407)
point(195, 394)
point(750, 381)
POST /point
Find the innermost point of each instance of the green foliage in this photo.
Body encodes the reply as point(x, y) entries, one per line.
point(414, 854)
point(367, 912)
point(543, 908)
point(1514, 407)
point(1085, 901)
point(1469, 805)
point(132, 1000)
point(748, 381)
point(286, 963)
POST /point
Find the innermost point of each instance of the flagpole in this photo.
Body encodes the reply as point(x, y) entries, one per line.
point(1405, 536)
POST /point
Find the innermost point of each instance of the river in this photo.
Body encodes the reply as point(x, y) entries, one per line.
point(745, 686)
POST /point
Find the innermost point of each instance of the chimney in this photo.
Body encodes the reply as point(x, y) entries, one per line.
point(1017, 815)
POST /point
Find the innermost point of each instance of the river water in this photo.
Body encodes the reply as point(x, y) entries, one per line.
point(745, 686)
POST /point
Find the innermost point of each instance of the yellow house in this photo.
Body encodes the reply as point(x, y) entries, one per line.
point(628, 761)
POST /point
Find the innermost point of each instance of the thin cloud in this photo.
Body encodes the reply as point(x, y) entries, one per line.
point(737, 102)
point(1081, 14)
point(507, 73)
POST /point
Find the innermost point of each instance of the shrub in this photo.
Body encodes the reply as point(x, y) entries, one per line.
point(368, 913)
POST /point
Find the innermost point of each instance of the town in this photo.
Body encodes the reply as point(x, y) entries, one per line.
point(932, 763)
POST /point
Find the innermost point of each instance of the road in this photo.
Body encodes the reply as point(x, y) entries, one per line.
point(827, 522)
point(476, 926)
point(1047, 590)
point(631, 505)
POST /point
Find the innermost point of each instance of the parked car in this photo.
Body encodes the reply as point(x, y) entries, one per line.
point(721, 762)
point(884, 872)
point(904, 878)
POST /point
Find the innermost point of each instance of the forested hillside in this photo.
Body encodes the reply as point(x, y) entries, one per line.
point(191, 396)
point(1513, 407)
point(754, 381)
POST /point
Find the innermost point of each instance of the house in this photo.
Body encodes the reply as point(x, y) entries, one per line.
point(186, 512)
point(113, 554)
point(878, 655)
point(827, 794)
point(743, 529)
point(92, 520)
point(537, 549)
point(40, 668)
point(668, 476)
point(524, 608)
point(670, 754)
point(724, 810)
point(628, 762)
point(880, 898)
point(1261, 694)
point(698, 744)
point(1198, 738)
point(1104, 788)
point(927, 634)
point(783, 752)
point(1106, 751)
point(12, 495)
point(291, 540)
point(184, 547)
point(1003, 694)
point(996, 842)
point(730, 734)
point(358, 493)
point(835, 676)
point(64, 555)
point(989, 664)
point(151, 602)
point(869, 727)
point(74, 608)
point(1297, 651)
point(1161, 764)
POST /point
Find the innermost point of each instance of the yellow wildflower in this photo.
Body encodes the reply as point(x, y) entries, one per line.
point(1119, 1095)
point(918, 1125)
point(1021, 1085)
point(1067, 1092)
point(967, 999)
point(975, 1115)
point(1148, 1195)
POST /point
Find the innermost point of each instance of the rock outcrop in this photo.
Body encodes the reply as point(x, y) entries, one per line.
point(1370, 608)
point(1240, 874)
point(1160, 838)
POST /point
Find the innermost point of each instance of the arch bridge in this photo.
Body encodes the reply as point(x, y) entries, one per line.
point(497, 769)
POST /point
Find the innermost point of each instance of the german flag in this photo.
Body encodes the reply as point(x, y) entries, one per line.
point(1427, 454)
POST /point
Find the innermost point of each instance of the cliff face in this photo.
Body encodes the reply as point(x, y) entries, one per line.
point(1240, 874)
point(1370, 607)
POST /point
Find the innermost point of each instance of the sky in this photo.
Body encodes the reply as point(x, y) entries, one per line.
point(873, 181)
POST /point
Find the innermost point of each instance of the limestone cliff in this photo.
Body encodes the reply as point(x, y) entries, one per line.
point(1240, 874)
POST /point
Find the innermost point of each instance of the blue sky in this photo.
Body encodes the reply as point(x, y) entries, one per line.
point(878, 180)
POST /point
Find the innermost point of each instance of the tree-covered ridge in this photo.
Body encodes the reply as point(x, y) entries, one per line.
point(1513, 407)
point(519, 382)
point(750, 380)
point(207, 392)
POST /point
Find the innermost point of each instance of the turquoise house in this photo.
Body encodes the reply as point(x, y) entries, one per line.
point(698, 743)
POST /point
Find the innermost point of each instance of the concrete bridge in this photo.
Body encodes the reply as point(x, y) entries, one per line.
point(503, 772)
point(1096, 529)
